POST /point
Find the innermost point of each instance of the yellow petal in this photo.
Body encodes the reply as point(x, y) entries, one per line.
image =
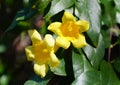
point(49, 41)
point(68, 17)
point(35, 36)
point(55, 27)
point(53, 62)
point(41, 70)
point(56, 47)
point(79, 42)
point(29, 53)
point(62, 42)
point(84, 25)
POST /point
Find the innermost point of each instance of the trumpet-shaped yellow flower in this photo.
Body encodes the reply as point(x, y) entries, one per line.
point(69, 31)
point(41, 52)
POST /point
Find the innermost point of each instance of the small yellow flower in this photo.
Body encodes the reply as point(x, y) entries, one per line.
point(69, 30)
point(41, 52)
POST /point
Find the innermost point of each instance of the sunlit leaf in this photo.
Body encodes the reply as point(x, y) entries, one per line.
point(80, 63)
point(95, 55)
point(88, 78)
point(60, 70)
point(117, 2)
point(90, 10)
point(58, 6)
point(83, 71)
point(118, 17)
point(105, 76)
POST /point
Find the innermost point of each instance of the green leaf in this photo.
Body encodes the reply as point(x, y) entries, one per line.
point(43, 82)
point(61, 69)
point(30, 82)
point(95, 55)
point(117, 4)
point(20, 16)
point(80, 63)
point(4, 79)
point(105, 76)
point(90, 10)
point(42, 4)
point(84, 73)
point(88, 78)
point(108, 76)
point(106, 36)
point(108, 16)
point(118, 17)
point(2, 48)
point(117, 64)
point(57, 6)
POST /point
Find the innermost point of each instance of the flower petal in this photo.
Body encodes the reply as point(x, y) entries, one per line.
point(53, 62)
point(62, 42)
point(79, 42)
point(35, 36)
point(49, 41)
point(55, 27)
point(56, 47)
point(41, 70)
point(29, 53)
point(68, 17)
point(84, 25)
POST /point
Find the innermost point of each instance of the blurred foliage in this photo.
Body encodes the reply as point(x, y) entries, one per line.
point(98, 63)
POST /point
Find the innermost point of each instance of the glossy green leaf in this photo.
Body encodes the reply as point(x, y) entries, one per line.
point(57, 6)
point(90, 10)
point(104, 76)
point(60, 70)
point(88, 78)
point(108, 76)
point(95, 55)
point(83, 71)
point(80, 63)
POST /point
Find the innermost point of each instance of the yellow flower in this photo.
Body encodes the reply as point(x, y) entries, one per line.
point(69, 31)
point(41, 52)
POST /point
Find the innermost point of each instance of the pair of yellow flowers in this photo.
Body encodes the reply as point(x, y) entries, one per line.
point(42, 51)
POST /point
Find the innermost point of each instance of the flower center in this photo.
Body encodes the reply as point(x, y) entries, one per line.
point(41, 53)
point(70, 29)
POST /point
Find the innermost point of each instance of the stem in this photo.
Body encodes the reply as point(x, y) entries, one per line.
point(69, 66)
point(109, 49)
point(113, 45)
